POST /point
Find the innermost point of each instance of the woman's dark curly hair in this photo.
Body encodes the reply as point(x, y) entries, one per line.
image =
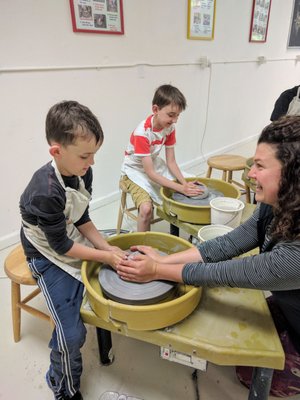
point(284, 136)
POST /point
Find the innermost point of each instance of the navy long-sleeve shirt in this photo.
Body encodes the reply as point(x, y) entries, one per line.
point(43, 202)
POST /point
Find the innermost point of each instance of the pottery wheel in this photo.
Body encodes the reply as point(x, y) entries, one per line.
point(133, 293)
point(181, 198)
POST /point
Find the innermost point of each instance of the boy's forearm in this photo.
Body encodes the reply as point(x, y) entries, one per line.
point(175, 170)
point(162, 181)
point(90, 232)
point(88, 253)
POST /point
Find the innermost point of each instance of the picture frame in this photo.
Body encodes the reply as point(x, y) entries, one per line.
point(97, 16)
point(294, 33)
point(260, 21)
point(201, 19)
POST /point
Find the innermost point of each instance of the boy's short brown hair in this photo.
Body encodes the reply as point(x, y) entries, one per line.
point(67, 120)
point(168, 94)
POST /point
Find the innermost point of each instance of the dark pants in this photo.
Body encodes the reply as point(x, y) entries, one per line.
point(63, 295)
point(286, 382)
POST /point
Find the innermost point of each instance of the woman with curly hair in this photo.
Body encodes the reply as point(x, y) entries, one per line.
point(274, 228)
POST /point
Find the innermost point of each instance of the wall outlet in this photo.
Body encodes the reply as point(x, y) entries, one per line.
point(204, 62)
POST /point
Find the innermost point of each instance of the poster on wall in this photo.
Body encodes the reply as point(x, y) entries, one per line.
point(201, 19)
point(97, 16)
point(294, 35)
point(260, 20)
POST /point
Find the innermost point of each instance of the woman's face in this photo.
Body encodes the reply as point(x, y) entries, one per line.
point(266, 170)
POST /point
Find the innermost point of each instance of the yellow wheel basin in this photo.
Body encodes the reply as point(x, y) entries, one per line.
point(142, 317)
point(196, 214)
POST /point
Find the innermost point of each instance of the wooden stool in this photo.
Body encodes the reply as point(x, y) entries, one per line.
point(250, 184)
point(131, 212)
point(16, 268)
point(227, 163)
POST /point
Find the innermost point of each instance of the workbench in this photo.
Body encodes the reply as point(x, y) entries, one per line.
point(230, 326)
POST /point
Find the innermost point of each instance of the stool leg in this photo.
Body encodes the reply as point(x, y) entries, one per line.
point(208, 173)
point(229, 179)
point(248, 196)
point(16, 311)
point(121, 212)
point(224, 175)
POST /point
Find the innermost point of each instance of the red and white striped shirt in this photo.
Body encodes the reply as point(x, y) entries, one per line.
point(146, 141)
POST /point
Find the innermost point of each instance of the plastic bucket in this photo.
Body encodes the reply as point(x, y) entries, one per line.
point(226, 211)
point(209, 232)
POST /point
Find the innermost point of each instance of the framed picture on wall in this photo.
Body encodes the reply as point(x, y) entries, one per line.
point(201, 19)
point(260, 20)
point(294, 35)
point(97, 16)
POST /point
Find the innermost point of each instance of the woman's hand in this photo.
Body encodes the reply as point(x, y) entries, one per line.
point(148, 251)
point(140, 268)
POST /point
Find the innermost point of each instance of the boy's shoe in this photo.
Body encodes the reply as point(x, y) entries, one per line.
point(77, 396)
point(51, 384)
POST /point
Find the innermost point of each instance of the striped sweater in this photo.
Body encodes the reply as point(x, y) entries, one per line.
point(276, 269)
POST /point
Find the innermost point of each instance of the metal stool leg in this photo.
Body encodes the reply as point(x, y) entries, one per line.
point(105, 346)
point(174, 230)
point(261, 384)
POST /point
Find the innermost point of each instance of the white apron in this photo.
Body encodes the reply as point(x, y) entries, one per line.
point(140, 178)
point(76, 203)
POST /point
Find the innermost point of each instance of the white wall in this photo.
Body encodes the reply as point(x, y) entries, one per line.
point(42, 60)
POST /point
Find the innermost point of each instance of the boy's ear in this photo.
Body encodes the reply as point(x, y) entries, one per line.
point(155, 108)
point(54, 150)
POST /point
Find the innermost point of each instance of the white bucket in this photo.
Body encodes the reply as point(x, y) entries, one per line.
point(209, 232)
point(226, 211)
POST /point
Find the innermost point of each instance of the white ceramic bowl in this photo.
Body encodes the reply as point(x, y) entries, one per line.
point(212, 231)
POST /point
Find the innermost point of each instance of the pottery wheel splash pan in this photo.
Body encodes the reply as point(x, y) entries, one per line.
point(166, 312)
point(197, 214)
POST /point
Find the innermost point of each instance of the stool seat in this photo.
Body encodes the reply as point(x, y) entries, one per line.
point(17, 270)
point(16, 267)
point(227, 162)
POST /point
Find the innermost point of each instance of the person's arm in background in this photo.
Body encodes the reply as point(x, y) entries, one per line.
point(282, 103)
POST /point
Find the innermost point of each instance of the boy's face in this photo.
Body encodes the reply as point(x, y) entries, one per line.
point(164, 117)
point(75, 159)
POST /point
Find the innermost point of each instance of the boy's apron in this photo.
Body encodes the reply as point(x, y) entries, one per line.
point(76, 204)
point(140, 178)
